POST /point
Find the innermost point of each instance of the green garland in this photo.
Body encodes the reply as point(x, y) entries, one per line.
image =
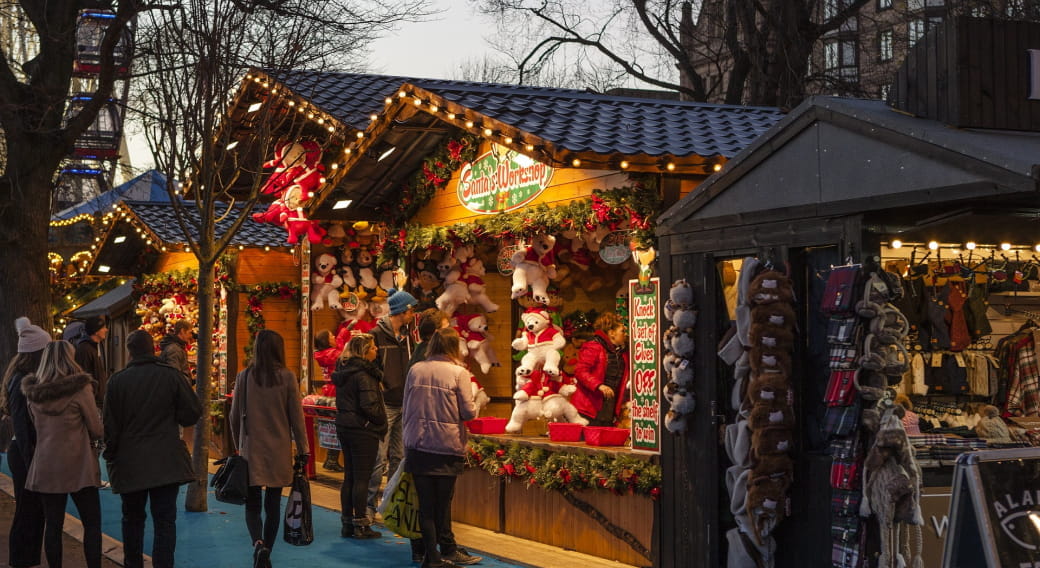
point(564, 471)
point(636, 204)
point(255, 305)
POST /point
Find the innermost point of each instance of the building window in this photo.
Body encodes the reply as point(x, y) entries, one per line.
point(915, 31)
point(884, 4)
point(884, 91)
point(839, 59)
point(885, 48)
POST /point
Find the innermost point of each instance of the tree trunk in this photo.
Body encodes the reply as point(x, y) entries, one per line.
point(196, 498)
point(24, 222)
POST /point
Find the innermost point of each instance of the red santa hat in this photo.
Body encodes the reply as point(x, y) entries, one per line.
point(539, 311)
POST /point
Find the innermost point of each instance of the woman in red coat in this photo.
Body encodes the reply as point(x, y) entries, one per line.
point(327, 350)
point(602, 372)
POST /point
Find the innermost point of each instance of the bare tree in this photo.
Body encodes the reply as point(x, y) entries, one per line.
point(194, 59)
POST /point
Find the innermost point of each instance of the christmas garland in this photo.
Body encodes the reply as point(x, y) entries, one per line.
point(255, 305)
point(564, 471)
point(635, 204)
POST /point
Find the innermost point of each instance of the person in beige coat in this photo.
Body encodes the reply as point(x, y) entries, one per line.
point(266, 417)
point(61, 402)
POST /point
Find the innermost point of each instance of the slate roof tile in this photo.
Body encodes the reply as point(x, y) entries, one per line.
point(162, 220)
point(573, 120)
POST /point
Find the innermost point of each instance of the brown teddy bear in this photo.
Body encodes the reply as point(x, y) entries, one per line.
point(769, 287)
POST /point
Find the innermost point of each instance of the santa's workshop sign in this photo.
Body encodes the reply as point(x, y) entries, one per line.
point(644, 346)
point(501, 180)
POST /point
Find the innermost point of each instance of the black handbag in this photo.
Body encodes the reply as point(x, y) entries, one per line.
point(298, 528)
point(231, 482)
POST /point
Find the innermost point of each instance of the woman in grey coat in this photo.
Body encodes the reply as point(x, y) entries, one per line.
point(61, 402)
point(266, 417)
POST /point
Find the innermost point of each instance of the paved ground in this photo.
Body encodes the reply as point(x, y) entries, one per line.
point(73, 557)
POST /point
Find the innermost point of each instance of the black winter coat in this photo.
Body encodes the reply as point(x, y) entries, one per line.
point(359, 400)
point(144, 405)
point(394, 354)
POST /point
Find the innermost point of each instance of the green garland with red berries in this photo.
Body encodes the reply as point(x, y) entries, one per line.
point(565, 471)
point(254, 311)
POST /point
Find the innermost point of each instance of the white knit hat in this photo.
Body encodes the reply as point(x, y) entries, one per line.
point(31, 337)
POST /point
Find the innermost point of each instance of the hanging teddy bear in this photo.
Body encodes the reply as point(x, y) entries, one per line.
point(533, 267)
point(527, 400)
point(326, 283)
point(368, 285)
point(472, 329)
point(456, 292)
point(471, 273)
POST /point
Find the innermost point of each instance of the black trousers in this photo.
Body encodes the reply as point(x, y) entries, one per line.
point(359, 460)
point(163, 501)
point(266, 530)
point(88, 503)
point(435, 495)
point(26, 539)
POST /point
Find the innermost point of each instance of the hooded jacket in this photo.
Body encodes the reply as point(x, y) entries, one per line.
point(172, 352)
point(265, 421)
point(359, 402)
point(437, 400)
point(144, 404)
point(66, 420)
point(394, 354)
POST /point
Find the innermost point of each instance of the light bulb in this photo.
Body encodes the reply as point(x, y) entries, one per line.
point(933, 245)
point(970, 245)
point(1005, 246)
point(896, 243)
point(624, 164)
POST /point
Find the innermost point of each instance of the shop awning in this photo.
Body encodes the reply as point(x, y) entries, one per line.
point(111, 304)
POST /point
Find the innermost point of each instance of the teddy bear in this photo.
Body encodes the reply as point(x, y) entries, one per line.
point(425, 283)
point(472, 272)
point(533, 267)
point(390, 276)
point(326, 283)
point(675, 422)
point(456, 292)
point(294, 163)
point(542, 340)
point(169, 307)
point(480, 397)
point(679, 341)
point(527, 400)
point(556, 406)
point(365, 271)
point(680, 398)
point(472, 329)
point(346, 269)
point(297, 225)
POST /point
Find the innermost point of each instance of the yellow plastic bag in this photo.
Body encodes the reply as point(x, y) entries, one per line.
point(401, 514)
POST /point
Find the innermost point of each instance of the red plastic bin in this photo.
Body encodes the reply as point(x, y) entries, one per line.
point(487, 425)
point(565, 432)
point(605, 436)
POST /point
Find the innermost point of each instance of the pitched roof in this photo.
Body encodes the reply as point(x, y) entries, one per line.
point(577, 121)
point(149, 186)
point(161, 219)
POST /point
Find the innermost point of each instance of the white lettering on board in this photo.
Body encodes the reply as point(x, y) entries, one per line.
point(940, 525)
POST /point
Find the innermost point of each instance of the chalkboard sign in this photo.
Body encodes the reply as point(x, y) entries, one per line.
point(995, 512)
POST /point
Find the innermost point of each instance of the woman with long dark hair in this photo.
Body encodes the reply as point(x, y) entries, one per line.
point(26, 539)
point(266, 417)
point(360, 425)
point(65, 415)
point(438, 399)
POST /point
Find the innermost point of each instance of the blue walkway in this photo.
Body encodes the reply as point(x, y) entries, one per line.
point(218, 539)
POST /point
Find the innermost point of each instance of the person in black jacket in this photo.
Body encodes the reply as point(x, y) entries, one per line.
point(146, 458)
point(90, 355)
point(360, 424)
point(26, 539)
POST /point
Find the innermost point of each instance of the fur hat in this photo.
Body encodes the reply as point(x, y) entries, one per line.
point(770, 286)
point(769, 388)
point(31, 337)
point(399, 301)
point(771, 440)
point(767, 415)
point(769, 360)
point(771, 336)
point(777, 313)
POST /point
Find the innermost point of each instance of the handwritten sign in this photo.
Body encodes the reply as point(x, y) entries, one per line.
point(995, 514)
point(644, 337)
point(327, 437)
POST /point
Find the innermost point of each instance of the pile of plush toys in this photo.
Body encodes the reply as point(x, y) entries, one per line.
point(298, 173)
point(158, 309)
point(678, 354)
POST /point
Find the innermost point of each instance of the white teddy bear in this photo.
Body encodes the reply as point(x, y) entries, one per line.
point(456, 292)
point(472, 274)
point(533, 267)
point(556, 404)
point(326, 283)
point(473, 330)
point(542, 340)
point(528, 400)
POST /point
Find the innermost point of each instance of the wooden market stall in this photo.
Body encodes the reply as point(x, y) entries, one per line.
point(435, 174)
point(938, 205)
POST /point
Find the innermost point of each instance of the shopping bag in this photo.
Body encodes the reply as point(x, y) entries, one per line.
point(400, 506)
point(298, 529)
point(231, 482)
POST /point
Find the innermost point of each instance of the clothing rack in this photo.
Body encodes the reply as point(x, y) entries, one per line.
point(1008, 310)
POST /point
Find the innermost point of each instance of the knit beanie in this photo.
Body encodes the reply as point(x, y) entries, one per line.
point(95, 324)
point(31, 337)
point(399, 301)
point(140, 344)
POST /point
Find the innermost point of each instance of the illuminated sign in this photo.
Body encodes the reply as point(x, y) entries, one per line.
point(501, 180)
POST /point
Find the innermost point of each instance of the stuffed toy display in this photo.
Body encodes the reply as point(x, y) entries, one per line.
point(297, 176)
point(527, 400)
point(472, 275)
point(326, 283)
point(533, 267)
point(480, 398)
point(473, 329)
point(556, 404)
point(677, 360)
point(456, 291)
point(542, 340)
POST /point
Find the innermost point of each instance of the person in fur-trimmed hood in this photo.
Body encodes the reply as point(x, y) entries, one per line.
point(61, 401)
